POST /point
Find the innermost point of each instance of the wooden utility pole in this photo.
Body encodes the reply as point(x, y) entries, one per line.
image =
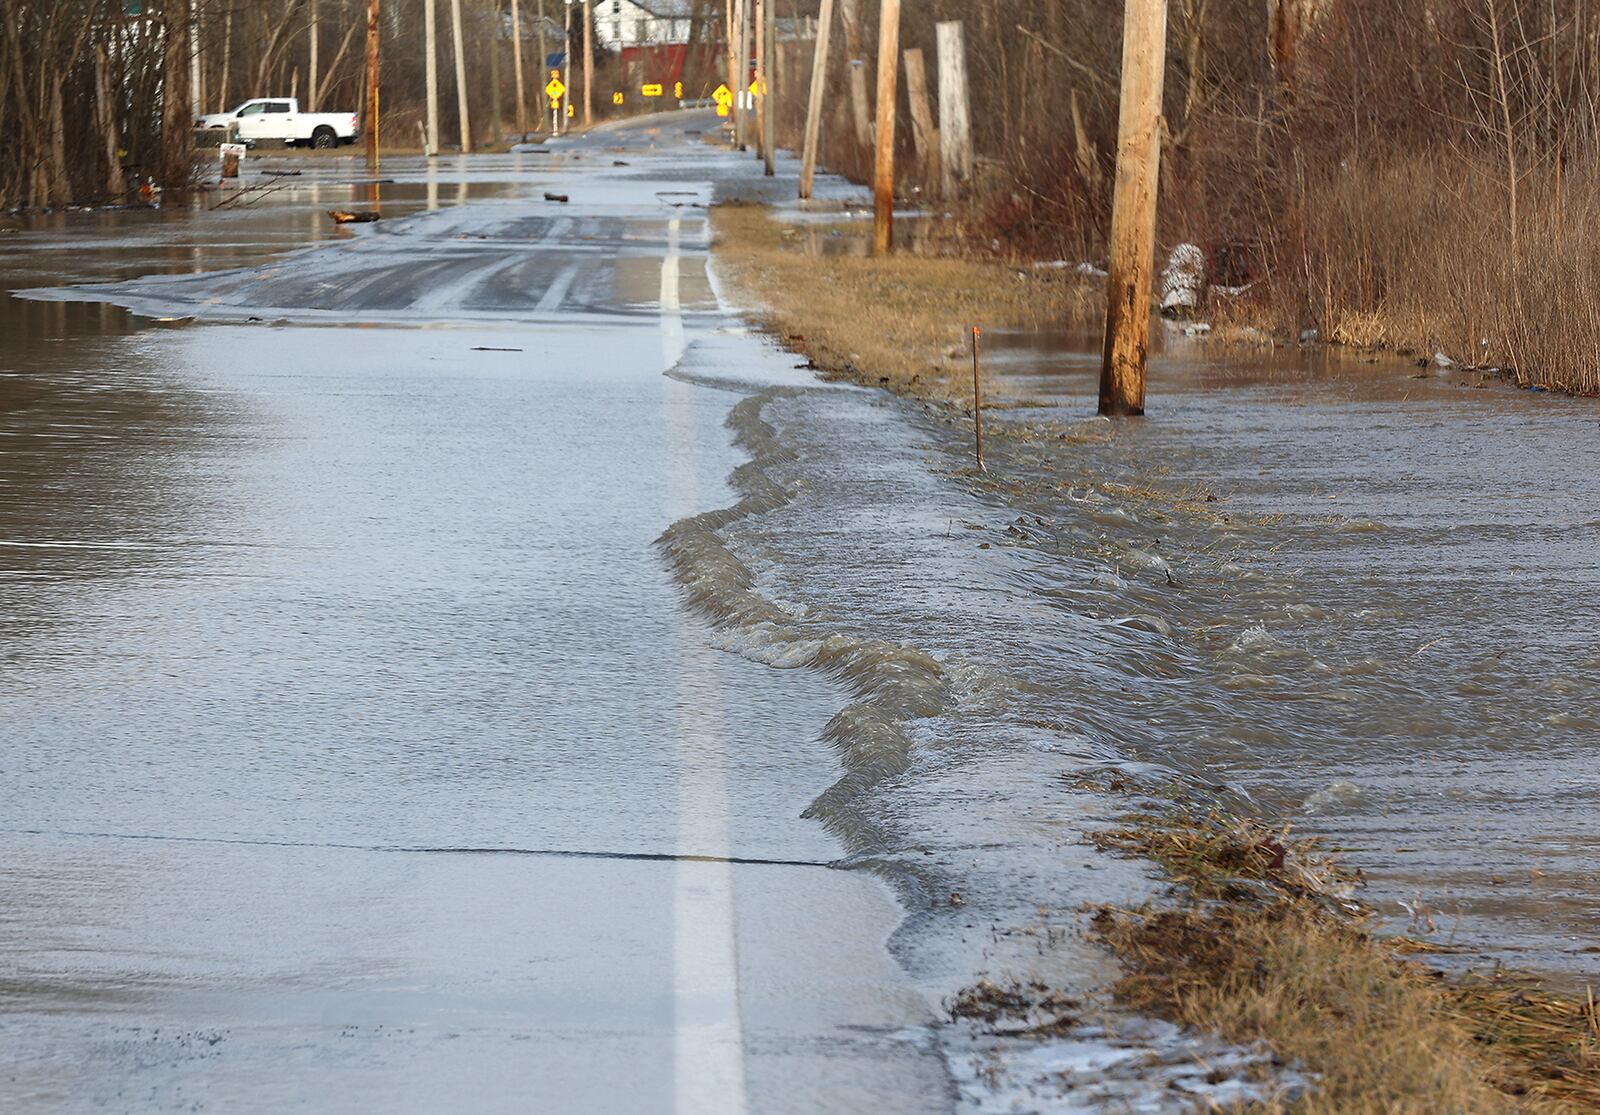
point(819, 81)
point(761, 76)
point(1133, 209)
point(565, 101)
point(923, 132)
point(431, 65)
point(196, 92)
point(544, 56)
point(888, 76)
point(517, 72)
point(955, 117)
point(588, 64)
point(311, 72)
point(741, 77)
point(731, 40)
point(370, 123)
point(461, 77)
point(856, 67)
point(769, 87)
point(497, 119)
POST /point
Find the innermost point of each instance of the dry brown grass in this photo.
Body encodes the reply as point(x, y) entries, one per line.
point(1267, 945)
point(1417, 254)
point(901, 322)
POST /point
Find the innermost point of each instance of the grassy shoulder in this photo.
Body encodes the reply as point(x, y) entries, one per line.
point(1263, 941)
point(901, 323)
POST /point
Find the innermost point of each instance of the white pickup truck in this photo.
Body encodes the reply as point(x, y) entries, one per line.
point(280, 118)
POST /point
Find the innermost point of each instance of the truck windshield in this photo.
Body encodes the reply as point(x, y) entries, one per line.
point(249, 109)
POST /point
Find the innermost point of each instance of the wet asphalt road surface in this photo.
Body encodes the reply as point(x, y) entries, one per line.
point(360, 753)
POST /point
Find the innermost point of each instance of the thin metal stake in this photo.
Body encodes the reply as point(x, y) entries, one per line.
point(977, 398)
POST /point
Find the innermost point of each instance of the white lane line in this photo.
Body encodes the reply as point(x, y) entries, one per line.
point(557, 230)
point(671, 306)
point(557, 292)
point(708, 1036)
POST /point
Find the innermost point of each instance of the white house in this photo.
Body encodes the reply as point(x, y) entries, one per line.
point(625, 23)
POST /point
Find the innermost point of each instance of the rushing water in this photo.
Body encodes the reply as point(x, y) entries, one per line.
point(1354, 594)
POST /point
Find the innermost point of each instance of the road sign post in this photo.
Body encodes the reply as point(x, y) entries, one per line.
point(554, 90)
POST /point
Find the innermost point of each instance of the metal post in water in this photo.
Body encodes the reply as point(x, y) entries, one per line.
point(977, 398)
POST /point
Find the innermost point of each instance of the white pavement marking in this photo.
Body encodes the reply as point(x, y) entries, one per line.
point(557, 292)
point(708, 1037)
point(671, 307)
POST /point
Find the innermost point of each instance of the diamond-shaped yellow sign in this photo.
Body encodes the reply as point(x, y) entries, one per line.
point(555, 89)
point(722, 96)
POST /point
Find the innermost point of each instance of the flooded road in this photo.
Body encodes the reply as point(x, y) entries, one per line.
point(464, 661)
point(359, 752)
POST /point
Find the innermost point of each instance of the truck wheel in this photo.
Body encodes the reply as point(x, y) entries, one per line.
point(324, 138)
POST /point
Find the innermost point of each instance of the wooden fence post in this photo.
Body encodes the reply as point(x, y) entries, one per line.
point(1133, 210)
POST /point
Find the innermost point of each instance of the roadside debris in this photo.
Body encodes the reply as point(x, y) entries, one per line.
point(354, 217)
point(557, 197)
point(1183, 283)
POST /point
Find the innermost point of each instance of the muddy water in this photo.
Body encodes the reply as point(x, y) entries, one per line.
point(1362, 596)
point(1386, 625)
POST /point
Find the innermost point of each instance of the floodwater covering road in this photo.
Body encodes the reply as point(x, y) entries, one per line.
point(359, 750)
point(463, 667)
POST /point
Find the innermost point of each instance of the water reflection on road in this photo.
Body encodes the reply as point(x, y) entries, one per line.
point(327, 647)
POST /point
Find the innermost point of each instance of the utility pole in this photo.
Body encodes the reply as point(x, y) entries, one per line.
point(566, 65)
point(461, 78)
point(888, 78)
point(856, 68)
point(741, 73)
point(196, 93)
point(923, 131)
point(761, 77)
point(769, 87)
point(371, 121)
point(516, 64)
point(1133, 209)
point(497, 120)
point(731, 41)
point(430, 39)
point(819, 81)
point(544, 52)
point(588, 64)
point(311, 83)
point(955, 116)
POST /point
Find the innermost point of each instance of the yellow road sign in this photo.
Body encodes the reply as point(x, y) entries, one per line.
point(722, 110)
point(723, 96)
point(651, 90)
point(677, 90)
point(555, 88)
point(616, 98)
